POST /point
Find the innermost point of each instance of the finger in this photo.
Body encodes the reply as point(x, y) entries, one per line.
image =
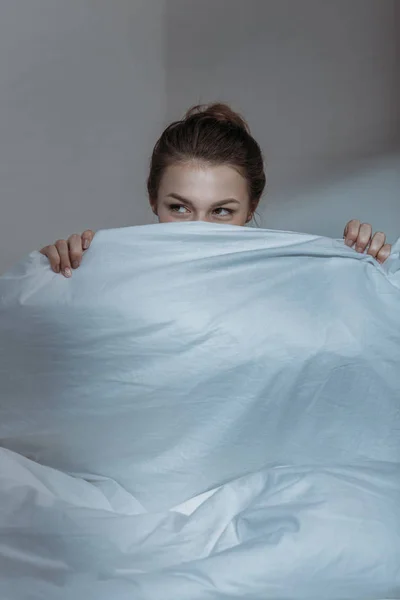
point(65, 263)
point(53, 256)
point(75, 250)
point(87, 237)
point(376, 244)
point(364, 237)
point(351, 232)
point(384, 253)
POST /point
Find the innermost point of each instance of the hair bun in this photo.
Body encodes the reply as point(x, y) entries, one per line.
point(220, 112)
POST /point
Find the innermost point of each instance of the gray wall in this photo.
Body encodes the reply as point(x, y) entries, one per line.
point(87, 85)
point(82, 99)
point(319, 81)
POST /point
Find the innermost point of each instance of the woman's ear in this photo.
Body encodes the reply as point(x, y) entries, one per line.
point(252, 210)
point(250, 216)
point(153, 204)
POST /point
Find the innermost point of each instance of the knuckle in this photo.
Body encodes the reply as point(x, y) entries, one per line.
point(74, 255)
point(65, 264)
point(75, 237)
point(384, 252)
point(366, 229)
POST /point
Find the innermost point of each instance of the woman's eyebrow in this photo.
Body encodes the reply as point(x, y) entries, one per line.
point(226, 201)
point(180, 198)
point(219, 203)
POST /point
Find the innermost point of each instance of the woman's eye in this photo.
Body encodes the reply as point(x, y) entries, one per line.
point(178, 208)
point(223, 212)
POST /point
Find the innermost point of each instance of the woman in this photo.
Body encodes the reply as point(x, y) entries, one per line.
point(207, 167)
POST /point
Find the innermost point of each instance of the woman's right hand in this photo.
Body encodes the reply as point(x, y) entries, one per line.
point(66, 255)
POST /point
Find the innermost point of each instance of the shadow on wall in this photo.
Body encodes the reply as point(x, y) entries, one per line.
point(82, 100)
point(301, 198)
point(319, 82)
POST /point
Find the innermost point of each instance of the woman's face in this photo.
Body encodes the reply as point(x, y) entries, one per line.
point(199, 192)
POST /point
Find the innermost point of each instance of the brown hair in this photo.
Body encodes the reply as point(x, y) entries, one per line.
point(216, 135)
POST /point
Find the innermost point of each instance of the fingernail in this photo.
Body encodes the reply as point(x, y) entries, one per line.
point(359, 249)
point(85, 244)
point(75, 264)
point(67, 272)
point(349, 243)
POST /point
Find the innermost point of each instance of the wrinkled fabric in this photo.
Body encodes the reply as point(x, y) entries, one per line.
point(201, 411)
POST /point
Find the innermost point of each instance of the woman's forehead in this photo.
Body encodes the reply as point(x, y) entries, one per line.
point(203, 182)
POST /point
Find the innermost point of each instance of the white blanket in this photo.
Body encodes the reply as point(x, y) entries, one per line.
point(202, 411)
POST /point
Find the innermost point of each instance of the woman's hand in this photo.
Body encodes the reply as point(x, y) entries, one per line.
point(359, 235)
point(66, 255)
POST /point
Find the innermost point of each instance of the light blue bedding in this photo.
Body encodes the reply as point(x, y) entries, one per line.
point(202, 412)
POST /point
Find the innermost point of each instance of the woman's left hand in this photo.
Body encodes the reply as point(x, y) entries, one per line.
point(359, 235)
